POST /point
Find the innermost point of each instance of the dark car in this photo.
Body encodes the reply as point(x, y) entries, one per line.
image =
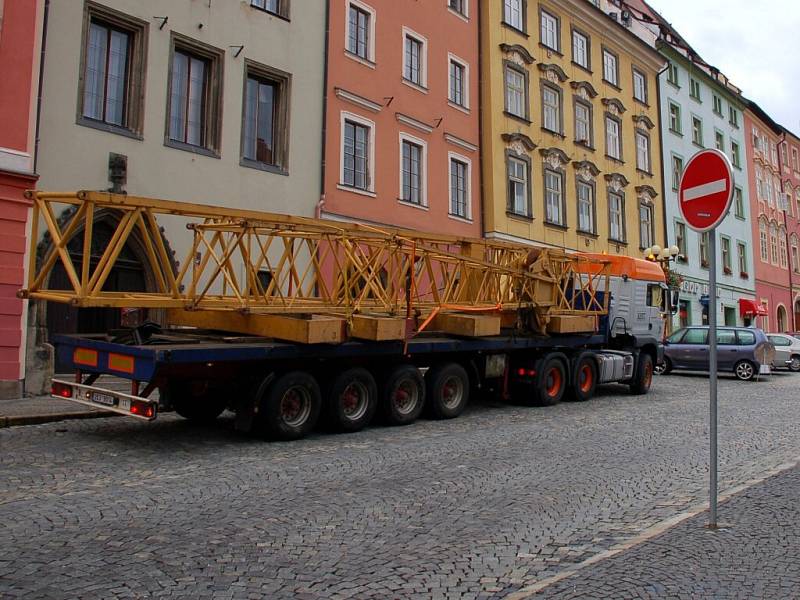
point(744, 351)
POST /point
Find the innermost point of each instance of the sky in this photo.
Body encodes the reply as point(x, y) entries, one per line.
point(756, 43)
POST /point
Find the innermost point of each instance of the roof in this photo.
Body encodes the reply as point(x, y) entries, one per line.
point(635, 268)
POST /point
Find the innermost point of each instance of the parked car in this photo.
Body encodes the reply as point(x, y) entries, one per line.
point(787, 351)
point(744, 351)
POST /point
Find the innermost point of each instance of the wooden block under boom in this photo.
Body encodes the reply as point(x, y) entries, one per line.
point(368, 327)
point(572, 324)
point(467, 325)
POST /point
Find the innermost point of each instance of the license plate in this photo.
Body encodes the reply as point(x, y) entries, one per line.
point(105, 399)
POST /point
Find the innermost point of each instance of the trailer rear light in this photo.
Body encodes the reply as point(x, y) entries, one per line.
point(143, 409)
point(61, 389)
point(522, 372)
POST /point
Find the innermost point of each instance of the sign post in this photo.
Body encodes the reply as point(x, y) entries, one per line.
point(704, 196)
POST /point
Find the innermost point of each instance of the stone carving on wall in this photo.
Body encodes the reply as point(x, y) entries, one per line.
point(555, 158)
point(616, 181)
point(586, 170)
point(584, 89)
point(643, 122)
point(517, 54)
point(614, 106)
point(646, 194)
point(553, 73)
point(519, 143)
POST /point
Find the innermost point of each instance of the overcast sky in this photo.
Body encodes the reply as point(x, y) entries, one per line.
point(756, 44)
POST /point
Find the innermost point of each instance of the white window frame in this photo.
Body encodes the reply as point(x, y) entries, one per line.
point(620, 222)
point(423, 188)
point(524, 94)
point(586, 63)
point(452, 58)
point(639, 91)
point(520, 5)
point(617, 146)
point(646, 228)
point(608, 53)
point(371, 171)
point(551, 112)
point(741, 256)
point(465, 14)
point(370, 59)
point(526, 196)
point(587, 140)
point(642, 152)
point(451, 156)
point(592, 229)
point(548, 17)
point(557, 195)
point(423, 59)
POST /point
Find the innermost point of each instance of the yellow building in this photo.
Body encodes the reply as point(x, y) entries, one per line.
point(570, 130)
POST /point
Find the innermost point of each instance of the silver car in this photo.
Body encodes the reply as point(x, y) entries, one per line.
point(787, 351)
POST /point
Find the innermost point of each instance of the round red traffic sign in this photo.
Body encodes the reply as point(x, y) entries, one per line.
point(706, 190)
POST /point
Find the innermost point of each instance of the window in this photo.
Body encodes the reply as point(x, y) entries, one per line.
point(580, 50)
point(784, 154)
point(554, 197)
point(613, 143)
point(719, 141)
point(704, 249)
point(639, 86)
point(697, 131)
point(733, 116)
point(645, 225)
point(773, 244)
point(680, 239)
point(412, 171)
point(516, 92)
point(459, 187)
point(551, 108)
point(741, 250)
point(747, 338)
point(735, 159)
point(610, 67)
point(195, 95)
point(518, 191)
point(768, 189)
point(762, 234)
point(677, 171)
point(672, 74)
point(550, 34)
point(717, 102)
point(642, 152)
point(696, 336)
point(414, 69)
point(726, 337)
point(586, 208)
point(273, 6)
point(266, 119)
point(113, 71)
point(675, 118)
point(694, 89)
point(513, 14)
point(616, 212)
point(738, 203)
point(356, 154)
point(360, 31)
point(725, 244)
point(795, 256)
point(795, 161)
point(459, 6)
point(459, 83)
point(583, 123)
point(782, 246)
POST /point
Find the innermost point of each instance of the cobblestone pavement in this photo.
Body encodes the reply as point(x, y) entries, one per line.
point(478, 507)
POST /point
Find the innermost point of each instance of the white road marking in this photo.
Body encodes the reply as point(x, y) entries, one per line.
point(699, 191)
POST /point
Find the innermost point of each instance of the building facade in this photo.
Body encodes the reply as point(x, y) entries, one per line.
point(402, 129)
point(209, 102)
point(20, 35)
point(700, 109)
point(570, 136)
point(775, 218)
point(790, 179)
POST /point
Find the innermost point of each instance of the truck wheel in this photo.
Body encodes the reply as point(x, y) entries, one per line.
point(552, 381)
point(402, 395)
point(196, 401)
point(643, 376)
point(446, 391)
point(584, 379)
point(290, 407)
point(351, 400)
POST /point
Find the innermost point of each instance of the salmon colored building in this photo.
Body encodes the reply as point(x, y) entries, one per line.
point(20, 33)
point(790, 180)
point(401, 115)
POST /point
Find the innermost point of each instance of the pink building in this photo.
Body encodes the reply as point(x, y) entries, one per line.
point(401, 132)
point(776, 214)
point(20, 35)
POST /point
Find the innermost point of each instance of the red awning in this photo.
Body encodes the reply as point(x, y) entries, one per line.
point(751, 308)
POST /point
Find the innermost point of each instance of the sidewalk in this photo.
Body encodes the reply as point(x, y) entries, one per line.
point(44, 409)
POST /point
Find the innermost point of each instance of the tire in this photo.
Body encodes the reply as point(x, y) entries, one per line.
point(351, 400)
point(402, 395)
point(290, 407)
point(794, 365)
point(664, 368)
point(583, 380)
point(643, 375)
point(552, 381)
point(446, 391)
point(196, 401)
point(744, 370)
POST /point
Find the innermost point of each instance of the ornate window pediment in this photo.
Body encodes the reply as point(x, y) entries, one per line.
point(517, 54)
point(614, 106)
point(584, 89)
point(553, 72)
point(519, 143)
point(554, 157)
point(646, 194)
point(616, 181)
point(586, 170)
point(643, 122)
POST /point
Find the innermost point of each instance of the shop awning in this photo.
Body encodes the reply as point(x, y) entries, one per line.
point(751, 308)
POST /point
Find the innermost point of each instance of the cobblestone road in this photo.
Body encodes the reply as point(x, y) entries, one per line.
point(473, 508)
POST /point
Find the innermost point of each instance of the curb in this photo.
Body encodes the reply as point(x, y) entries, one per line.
point(17, 421)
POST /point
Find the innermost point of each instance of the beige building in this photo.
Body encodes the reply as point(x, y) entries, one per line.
point(211, 102)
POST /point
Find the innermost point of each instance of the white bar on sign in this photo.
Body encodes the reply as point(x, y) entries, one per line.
point(712, 187)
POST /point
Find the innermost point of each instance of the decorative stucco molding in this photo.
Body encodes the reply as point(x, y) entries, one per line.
point(412, 122)
point(552, 72)
point(519, 142)
point(517, 54)
point(554, 157)
point(616, 181)
point(643, 122)
point(584, 89)
point(360, 101)
point(461, 143)
point(614, 106)
point(586, 170)
point(646, 193)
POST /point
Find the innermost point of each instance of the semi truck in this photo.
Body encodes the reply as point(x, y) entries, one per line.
point(408, 324)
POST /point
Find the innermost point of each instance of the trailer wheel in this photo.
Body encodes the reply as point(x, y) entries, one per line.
point(290, 407)
point(196, 401)
point(552, 381)
point(446, 390)
point(351, 400)
point(643, 376)
point(584, 379)
point(402, 395)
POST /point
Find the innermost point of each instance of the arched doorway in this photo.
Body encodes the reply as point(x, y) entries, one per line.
point(782, 322)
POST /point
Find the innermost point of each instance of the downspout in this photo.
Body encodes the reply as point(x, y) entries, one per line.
point(668, 318)
point(321, 202)
point(40, 85)
point(481, 149)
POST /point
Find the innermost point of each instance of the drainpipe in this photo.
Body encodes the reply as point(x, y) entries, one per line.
point(481, 150)
point(321, 203)
point(40, 85)
point(669, 318)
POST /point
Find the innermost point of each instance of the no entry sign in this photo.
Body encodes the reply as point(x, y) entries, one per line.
point(706, 190)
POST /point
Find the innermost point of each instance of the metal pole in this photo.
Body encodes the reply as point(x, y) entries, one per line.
point(712, 347)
